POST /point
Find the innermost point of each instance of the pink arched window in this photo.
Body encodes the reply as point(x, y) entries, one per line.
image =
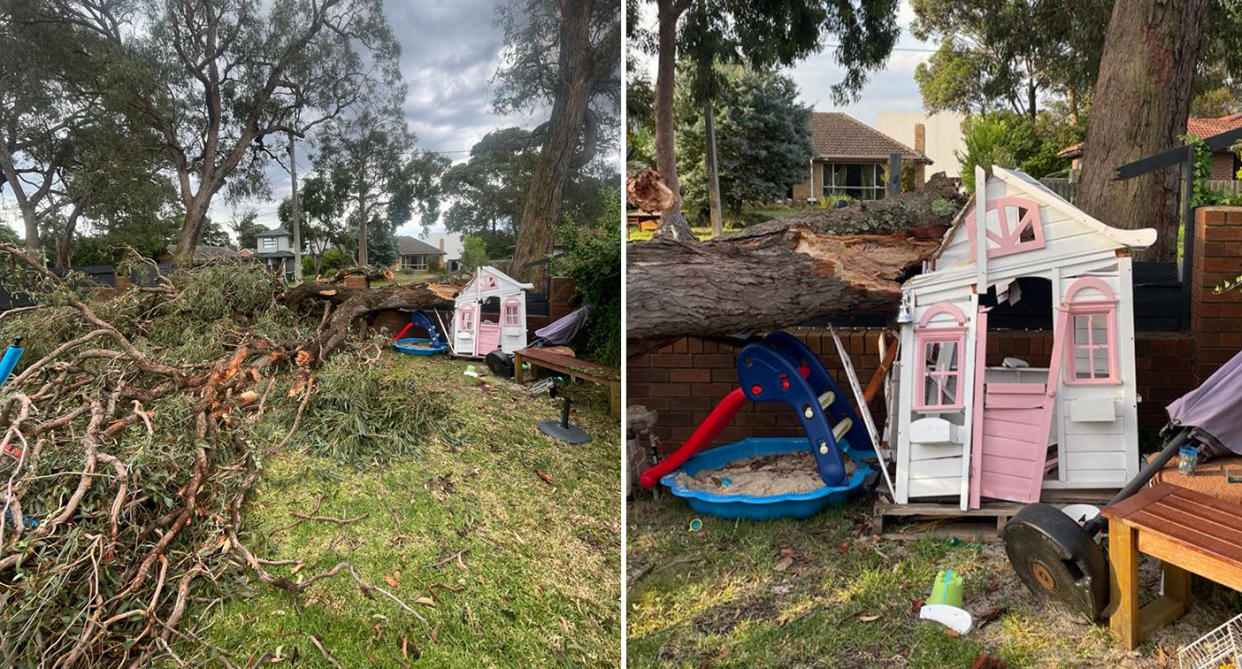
point(939, 345)
point(465, 319)
point(512, 314)
point(1019, 227)
point(1091, 346)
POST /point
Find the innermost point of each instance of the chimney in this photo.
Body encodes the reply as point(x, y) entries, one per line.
point(920, 146)
point(441, 243)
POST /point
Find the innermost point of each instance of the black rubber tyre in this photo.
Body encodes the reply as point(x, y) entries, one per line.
point(1057, 560)
point(500, 364)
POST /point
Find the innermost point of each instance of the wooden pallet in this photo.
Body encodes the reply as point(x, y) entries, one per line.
point(948, 519)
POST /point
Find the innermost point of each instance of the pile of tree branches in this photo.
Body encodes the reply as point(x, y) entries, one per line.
point(133, 431)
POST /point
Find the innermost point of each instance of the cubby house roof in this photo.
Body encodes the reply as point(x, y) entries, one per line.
point(960, 269)
point(504, 283)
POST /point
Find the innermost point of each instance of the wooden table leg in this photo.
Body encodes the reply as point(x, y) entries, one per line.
point(518, 374)
point(1124, 585)
point(1177, 586)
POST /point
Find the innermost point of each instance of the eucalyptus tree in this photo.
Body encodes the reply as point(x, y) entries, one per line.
point(40, 108)
point(385, 179)
point(219, 80)
point(567, 54)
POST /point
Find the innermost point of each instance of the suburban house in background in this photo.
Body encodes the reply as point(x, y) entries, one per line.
point(851, 159)
point(1225, 164)
point(451, 244)
point(415, 254)
point(275, 249)
point(942, 136)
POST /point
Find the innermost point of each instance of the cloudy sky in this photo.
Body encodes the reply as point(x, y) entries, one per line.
point(890, 89)
point(450, 50)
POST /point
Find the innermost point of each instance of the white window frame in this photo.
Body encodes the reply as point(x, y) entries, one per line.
point(268, 243)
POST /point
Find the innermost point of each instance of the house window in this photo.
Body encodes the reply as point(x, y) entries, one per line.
point(269, 244)
point(1091, 308)
point(861, 181)
point(513, 312)
point(939, 342)
point(414, 262)
point(465, 319)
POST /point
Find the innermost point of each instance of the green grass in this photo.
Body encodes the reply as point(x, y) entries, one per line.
point(404, 277)
point(714, 597)
point(537, 583)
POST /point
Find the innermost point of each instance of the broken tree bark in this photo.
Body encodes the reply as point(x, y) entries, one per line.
point(788, 271)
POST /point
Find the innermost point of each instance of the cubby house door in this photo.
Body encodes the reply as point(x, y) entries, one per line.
point(1010, 434)
point(489, 338)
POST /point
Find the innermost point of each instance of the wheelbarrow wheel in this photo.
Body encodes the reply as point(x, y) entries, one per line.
point(1057, 559)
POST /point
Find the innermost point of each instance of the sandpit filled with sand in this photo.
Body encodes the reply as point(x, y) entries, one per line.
point(761, 476)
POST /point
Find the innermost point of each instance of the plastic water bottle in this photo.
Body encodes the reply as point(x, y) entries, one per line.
point(1188, 460)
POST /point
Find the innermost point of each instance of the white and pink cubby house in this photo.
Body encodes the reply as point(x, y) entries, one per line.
point(973, 432)
point(490, 313)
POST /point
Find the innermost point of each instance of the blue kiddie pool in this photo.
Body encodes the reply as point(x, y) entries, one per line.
point(419, 346)
point(794, 505)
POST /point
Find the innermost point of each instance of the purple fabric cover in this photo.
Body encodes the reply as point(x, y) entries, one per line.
point(564, 329)
point(1215, 407)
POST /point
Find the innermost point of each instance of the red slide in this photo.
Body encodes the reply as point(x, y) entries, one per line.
point(703, 435)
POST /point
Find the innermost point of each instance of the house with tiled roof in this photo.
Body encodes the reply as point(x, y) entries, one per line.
point(415, 254)
point(851, 159)
point(1225, 164)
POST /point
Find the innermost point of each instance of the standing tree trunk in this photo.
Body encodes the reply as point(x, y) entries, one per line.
point(362, 231)
point(1139, 107)
point(192, 227)
point(64, 244)
point(672, 223)
point(542, 210)
point(26, 204)
point(713, 169)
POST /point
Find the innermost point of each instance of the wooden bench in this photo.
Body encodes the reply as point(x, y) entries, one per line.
point(565, 364)
point(1190, 532)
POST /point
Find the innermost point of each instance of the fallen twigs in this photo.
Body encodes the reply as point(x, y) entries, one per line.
point(126, 457)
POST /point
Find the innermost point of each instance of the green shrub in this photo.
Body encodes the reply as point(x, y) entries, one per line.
point(593, 260)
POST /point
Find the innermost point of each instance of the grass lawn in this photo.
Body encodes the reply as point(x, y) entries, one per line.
point(718, 597)
point(537, 580)
point(404, 277)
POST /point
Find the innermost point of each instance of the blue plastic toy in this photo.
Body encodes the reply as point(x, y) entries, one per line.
point(435, 341)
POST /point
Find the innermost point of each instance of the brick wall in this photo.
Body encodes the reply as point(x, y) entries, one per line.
point(1216, 318)
point(1222, 166)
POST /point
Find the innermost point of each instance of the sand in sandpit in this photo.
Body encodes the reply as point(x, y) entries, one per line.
point(762, 476)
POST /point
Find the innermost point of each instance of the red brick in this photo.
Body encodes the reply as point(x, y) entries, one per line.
point(694, 345)
point(724, 375)
point(646, 375)
point(640, 360)
point(690, 375)
point(716, 390)
point(671, 360)
point(670, 390)
point(712, 360)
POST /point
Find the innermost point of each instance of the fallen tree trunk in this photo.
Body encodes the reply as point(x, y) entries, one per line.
point(781, 273)
point(352, 305)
